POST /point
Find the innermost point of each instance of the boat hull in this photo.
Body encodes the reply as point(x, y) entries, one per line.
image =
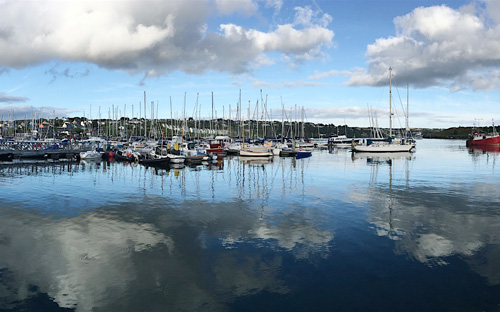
point(287, 153)
point(303, 154)
point(163, 161)
point(91, 155)
point(217, 151)
point(177, 159)
point(487, 141)
point(383, 148)
point(255, 153)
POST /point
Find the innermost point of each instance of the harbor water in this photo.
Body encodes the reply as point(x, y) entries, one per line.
point(331, 232)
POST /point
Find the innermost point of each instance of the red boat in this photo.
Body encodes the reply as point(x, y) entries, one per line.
point(217, 146)
point(481, 139)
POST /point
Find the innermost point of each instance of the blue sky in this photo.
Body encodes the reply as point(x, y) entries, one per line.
point(76, 58)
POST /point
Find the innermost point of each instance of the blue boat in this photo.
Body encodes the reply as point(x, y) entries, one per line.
point(303, 154)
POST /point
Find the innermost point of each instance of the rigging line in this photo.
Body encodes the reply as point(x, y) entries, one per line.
point(405, 113)
point(401, 103)
point(195, 109)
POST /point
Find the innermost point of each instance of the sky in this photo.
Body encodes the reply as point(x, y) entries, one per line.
point(202, 58)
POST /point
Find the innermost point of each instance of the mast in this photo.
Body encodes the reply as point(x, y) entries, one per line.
point(261, 103)
point(282, 120)
point(183, 118)
point(145, 120)
point(407, 110)
point(171, 118)
point(113, 121)
point(293, 132)
point(152, 130)
point(109, 122)
point(196, 123)
point(390, 103)
point(240, 116)
point(125, 123)
point(212, 117)
point(302, 120)
point(265, 117)
point(257, 129)
point(98, 123)
point(249, 123)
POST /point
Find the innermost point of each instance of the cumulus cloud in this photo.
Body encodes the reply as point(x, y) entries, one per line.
point(439, 46)
point(153, 39)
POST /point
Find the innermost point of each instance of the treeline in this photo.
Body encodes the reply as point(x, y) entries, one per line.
point(81, 127)
point(455, 132)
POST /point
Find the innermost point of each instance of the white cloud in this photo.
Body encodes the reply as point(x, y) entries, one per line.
point(321, 75)
point(307, 17)
point(351, 112)
point(284, 39)
point(276, 4)
point(355, 113)
point(438, 46)
point(153, 39)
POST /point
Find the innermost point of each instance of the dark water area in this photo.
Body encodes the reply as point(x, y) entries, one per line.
point(332, 232)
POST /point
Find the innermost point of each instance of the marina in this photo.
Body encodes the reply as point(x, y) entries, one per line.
point(249, 155)
point(334, 231)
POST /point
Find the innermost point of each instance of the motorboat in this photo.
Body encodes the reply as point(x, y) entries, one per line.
point(91, 155)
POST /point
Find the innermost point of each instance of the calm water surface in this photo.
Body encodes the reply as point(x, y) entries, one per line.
point(333, 232)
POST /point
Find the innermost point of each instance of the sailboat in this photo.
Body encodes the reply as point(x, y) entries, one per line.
point(387, 146)
point(254, 150)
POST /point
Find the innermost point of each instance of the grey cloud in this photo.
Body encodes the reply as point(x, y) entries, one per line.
point(26, 111)
point(8, 99)
point(66, 73)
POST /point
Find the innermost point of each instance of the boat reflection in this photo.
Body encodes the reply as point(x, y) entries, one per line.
point(257, 160)
point(381, 158)
point(434, 223)
point(484, 149)
point(380, 193)
point(42, 168)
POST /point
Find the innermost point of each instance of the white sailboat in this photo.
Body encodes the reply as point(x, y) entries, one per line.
point(253, 150)
point(388, 146)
